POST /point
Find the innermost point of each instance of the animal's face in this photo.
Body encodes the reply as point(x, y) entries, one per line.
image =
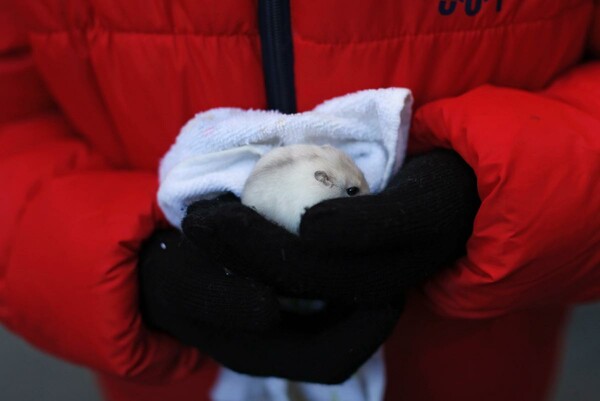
point(339, 172)
point(290, 179)
point(342, 183)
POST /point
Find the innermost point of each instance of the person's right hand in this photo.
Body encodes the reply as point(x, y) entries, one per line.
point(179, 282)
point(238, 321)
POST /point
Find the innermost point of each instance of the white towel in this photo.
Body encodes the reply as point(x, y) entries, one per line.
point(367, 384)
point(216, 152)
point(217, 149)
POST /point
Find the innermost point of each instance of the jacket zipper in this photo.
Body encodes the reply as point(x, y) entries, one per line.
point(275, 29)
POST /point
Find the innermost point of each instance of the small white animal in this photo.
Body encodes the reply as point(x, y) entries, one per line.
point(290, 179)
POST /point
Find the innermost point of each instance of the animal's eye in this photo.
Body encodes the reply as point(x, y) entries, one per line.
point(352, 191)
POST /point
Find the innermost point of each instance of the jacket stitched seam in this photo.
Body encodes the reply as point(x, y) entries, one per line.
point(86, 29)
point(90, 30)
point(566, 13)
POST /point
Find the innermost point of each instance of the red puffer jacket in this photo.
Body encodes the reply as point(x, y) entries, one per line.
point(93, 92)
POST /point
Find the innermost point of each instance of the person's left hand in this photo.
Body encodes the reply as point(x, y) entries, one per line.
point(364, 250)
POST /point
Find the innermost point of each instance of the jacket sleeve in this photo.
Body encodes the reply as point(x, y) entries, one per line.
point(536, 239)
point(69, 234)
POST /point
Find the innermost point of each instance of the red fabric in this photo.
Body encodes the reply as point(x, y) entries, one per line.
point(338, 50)
point(126, 75)
point(594, 37)
point(31, 152)
point(538, 161)
point(511, 357)
point(22, 92)
point(84, 302)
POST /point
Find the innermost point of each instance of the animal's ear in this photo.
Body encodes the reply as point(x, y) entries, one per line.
point(323, 178)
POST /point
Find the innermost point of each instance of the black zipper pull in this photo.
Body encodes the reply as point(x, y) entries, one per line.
point(275, 28)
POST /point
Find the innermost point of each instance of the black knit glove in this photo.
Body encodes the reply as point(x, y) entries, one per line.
point(429, 205)
point(238, 321)
point(364, 250)
point(178, 280)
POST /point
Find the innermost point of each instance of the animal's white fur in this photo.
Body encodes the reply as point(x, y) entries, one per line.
point(290, 179)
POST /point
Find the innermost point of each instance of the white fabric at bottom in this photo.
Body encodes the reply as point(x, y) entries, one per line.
point(367, 384)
